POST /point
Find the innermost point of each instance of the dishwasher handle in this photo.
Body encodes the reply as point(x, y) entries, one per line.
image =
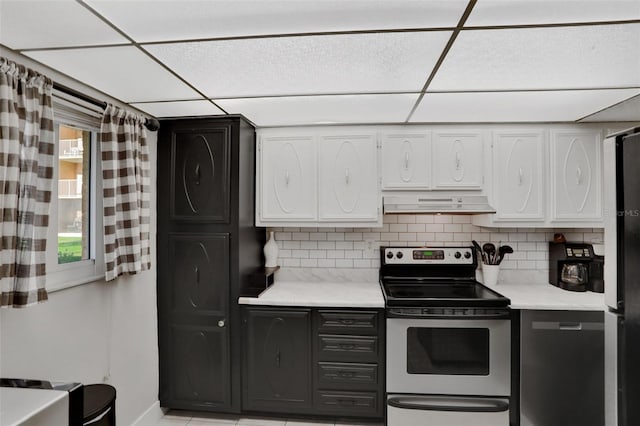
point(567, 326)
point(458, 404)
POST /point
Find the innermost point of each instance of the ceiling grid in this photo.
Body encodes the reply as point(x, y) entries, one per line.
point(283, 63)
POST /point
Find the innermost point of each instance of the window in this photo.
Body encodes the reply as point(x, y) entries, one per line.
point(74, 243)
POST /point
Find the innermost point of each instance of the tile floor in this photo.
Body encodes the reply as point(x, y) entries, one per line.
point(186, 418)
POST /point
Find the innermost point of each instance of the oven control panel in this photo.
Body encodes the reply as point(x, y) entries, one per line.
point(428, 255)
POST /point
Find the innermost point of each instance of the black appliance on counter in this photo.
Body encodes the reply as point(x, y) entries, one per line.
point(448, 339)
point(576, 267)
point(622, 274)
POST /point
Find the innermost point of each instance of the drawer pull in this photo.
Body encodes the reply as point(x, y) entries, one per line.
point(347, 321)
point(346, 374)
point(347, 402)
point(347, 346)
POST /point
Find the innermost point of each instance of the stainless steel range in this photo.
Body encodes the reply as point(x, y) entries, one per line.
point(448, 340)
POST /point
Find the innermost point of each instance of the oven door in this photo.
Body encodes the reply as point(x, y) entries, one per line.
point(469, 356)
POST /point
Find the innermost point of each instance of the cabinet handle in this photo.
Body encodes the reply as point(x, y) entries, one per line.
point(286, 178)
point(458, 161)
point(406, 161)
point(520, 176)
point(197, 173)
point(221, 323)
point(347, 346)
point(278, 359)
point(346, 176)
point(578, 176)
point(196, 270)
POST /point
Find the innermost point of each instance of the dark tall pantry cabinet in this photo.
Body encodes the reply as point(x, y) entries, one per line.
point(208, 248)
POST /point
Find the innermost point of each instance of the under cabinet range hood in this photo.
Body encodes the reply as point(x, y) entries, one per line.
point(457, 204)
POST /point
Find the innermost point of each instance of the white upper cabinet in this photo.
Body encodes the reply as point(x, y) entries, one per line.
point(287, 179)
point(576, 172)
point(458, 160)
point(348, 176)
point(518, 175)
point(406, 161)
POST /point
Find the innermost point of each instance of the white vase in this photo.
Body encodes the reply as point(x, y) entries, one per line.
point(271, 252)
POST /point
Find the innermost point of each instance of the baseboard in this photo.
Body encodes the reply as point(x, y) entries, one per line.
point(150, 417)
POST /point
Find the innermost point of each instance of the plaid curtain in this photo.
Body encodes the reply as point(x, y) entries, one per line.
point(125, 181)
point(26, 171)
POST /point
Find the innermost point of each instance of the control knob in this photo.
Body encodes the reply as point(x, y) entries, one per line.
point(389, 255)
point(457, 255)
point(467, 255)
point(399, 255)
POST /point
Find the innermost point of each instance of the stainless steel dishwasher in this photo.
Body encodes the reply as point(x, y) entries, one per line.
point(562, 368)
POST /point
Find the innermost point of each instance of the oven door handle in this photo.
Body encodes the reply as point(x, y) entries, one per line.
point(459, 404)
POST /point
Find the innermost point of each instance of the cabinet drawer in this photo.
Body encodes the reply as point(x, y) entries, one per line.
point(360, 348)
point(348, 322)
point(334, 373)
point(351, 403)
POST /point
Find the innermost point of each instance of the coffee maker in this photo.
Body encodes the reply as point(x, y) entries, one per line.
point(575, 267)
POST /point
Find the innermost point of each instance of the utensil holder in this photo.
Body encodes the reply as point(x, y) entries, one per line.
point(490, 274)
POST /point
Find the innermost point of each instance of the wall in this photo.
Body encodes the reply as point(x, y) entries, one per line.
point(94, 332)
point(358, 247)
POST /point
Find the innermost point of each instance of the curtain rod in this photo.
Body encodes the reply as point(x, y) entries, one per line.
point(150, 123)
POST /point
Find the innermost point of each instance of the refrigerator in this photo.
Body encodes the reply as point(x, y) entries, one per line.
point(622, 278)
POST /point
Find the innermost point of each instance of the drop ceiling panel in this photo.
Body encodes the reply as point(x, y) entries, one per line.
point(520, 12)
point(629, 110)
point(515, 106)
point(147, 21)
point(123, 72)
point(604, 56)
point(179, 108)
point(40, 24)
point(306, 65)
point(343, 109)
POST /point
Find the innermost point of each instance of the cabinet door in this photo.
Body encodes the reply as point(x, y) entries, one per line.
point(287, 179)
point(348, 174)
point(200, 174)
point(200, 274)
point(200, 372)
point(278, 360)
point(518, 178)
point(406, 161)
point(458, 160)
point(576, 172)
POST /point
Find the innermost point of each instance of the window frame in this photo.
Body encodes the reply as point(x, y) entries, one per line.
point(67, 275)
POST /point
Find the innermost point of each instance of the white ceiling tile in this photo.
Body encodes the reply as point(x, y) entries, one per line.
point(181, 20)
point(306, 65)
point(542, 58)
point(501, 12)
point(629, 110)
point(41, 24)
point(179, 108)
point(122, 72)
point(343, 109)
point(491, 107)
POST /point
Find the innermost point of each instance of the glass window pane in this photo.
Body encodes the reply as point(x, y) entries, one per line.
point(448, 351)
point(73, 194)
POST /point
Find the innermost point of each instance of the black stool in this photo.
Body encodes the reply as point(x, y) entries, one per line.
point(99, 405)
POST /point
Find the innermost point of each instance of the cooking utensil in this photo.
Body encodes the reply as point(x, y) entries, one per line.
point(502, 250)
point(478, 248)
point(490, 250)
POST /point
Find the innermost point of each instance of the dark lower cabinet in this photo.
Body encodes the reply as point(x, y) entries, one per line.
point(278, 360)
point(317, 362)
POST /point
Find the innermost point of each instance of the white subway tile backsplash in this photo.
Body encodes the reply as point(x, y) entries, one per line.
point(359, 247)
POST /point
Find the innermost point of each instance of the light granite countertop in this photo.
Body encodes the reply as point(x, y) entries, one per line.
point(360, 289)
